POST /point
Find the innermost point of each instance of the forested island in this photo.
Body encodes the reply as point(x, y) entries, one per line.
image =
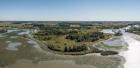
point(69, 38)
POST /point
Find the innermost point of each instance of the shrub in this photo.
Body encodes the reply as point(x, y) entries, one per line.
point(106, 53)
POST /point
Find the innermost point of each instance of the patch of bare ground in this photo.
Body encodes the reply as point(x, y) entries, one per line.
point(86, 61)
point(48, 64)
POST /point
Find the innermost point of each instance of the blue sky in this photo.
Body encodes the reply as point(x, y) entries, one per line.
point(70, 10)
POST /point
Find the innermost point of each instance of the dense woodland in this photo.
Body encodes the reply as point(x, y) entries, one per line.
point(86, 37)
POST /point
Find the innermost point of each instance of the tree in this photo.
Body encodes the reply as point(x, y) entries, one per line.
point(65, 49)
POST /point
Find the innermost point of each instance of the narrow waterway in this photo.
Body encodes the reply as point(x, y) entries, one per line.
point(132, 55)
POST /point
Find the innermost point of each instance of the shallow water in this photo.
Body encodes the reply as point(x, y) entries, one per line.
point(115, 42)
point(13, 36)
point(108, 31)
point(8, 41)
point(24, 32)
point(34, 43)
point(13, 46)
point(132, 56)
point(14, 30)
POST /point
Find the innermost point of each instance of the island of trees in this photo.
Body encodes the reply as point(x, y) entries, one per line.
point(72, 38)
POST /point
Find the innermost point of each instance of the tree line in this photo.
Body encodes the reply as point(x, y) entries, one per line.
point(86, 37)
point(77, 48)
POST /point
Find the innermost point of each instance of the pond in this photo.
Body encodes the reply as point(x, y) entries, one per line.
point(13, 46)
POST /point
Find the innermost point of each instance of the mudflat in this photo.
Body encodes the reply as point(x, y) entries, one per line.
point(47, 64)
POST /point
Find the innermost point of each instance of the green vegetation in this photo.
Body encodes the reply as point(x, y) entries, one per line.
point(135, 30)
point(70, 39)
point(106, 53)
point(109, 26)
point(86, 37)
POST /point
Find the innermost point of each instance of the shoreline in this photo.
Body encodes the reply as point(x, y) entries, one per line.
point(93, 59)
point(121, 58)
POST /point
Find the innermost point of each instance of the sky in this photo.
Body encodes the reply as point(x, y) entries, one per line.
point(69, 10)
